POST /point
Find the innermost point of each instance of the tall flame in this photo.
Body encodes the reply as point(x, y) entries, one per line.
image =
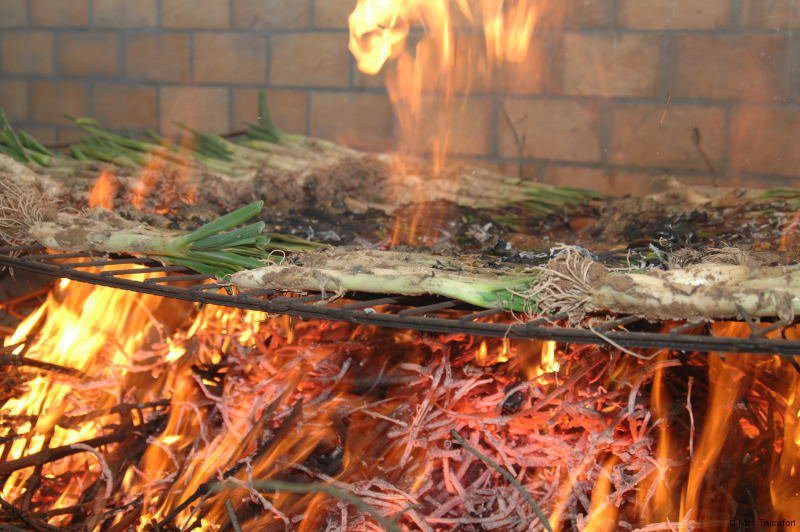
point(428, 88)
point(416, 44)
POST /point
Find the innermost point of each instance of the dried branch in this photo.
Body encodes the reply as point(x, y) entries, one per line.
point(19, 361)
point(23, 517)
point(57, 453)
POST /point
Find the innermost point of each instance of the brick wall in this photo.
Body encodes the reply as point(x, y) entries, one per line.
point(616, 92)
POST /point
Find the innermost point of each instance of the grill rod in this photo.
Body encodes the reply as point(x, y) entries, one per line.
point(398, 312)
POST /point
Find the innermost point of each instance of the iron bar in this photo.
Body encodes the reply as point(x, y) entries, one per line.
point(411, 314)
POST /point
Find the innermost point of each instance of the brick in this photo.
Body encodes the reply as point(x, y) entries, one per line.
point(333, 13)
point(674, 14)
point(188, 14)
point(659, 136)
point(125, 106)
point(470, 128)
point(64, 13)
point(202, 108)
point(69, 134)
point(270, 14)
point(88, 54)
point(531, 76)
point(230, 58)
point(159, 57)
point(611, 65)
point(470, 71)
point(765, 140)
point(44, 134)
point(360, 120)
point(289, 109)
point(310, 59)
point(465, 126)
point(50, 100)
point(27, 53)
point(125, 13)
point(608, 181)
point(771, 14)
point(14, 100)
point(13, 13)
point(550, 129)
point(367, 81)
point(740, 67)
point(576, 14)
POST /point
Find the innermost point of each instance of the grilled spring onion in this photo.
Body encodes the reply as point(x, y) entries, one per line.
point(342, 270)
point(266, 150)
point(220, 247)
point(721, 284)
point(718, 287)
point(21, 146)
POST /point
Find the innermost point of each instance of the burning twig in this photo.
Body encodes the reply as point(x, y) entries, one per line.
point(232, 516)
point(57, 453)
point(20, 361)
point(23, 517)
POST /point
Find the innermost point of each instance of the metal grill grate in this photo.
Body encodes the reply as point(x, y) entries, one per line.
point(436, 315)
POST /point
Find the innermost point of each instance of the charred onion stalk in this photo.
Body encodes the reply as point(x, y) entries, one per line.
point(723, 284)
point(339, 270)
point(220, 247)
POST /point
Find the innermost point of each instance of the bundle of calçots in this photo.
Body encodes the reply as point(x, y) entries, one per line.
point(717, 286)
point(234, 245)
point(286, 166)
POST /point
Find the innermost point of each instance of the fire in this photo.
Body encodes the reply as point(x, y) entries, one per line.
point(92, 332)
point(165, 181)
point(200, 407)
point(104, 191)
point(146, 182)
point(431, 92)
point(429, 89)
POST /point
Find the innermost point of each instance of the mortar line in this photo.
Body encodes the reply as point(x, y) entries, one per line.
point(604, 130)
point(737, 12)
point(159, 14)
point(613, 15)
point(725, 172)
point(309, 111)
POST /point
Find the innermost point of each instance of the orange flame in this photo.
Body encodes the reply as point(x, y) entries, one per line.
point(96, 331)
point(148, 178)
point(423, 84)
point(131, 348)
point(603, 513)
point(429, 89)
point(104, 191)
